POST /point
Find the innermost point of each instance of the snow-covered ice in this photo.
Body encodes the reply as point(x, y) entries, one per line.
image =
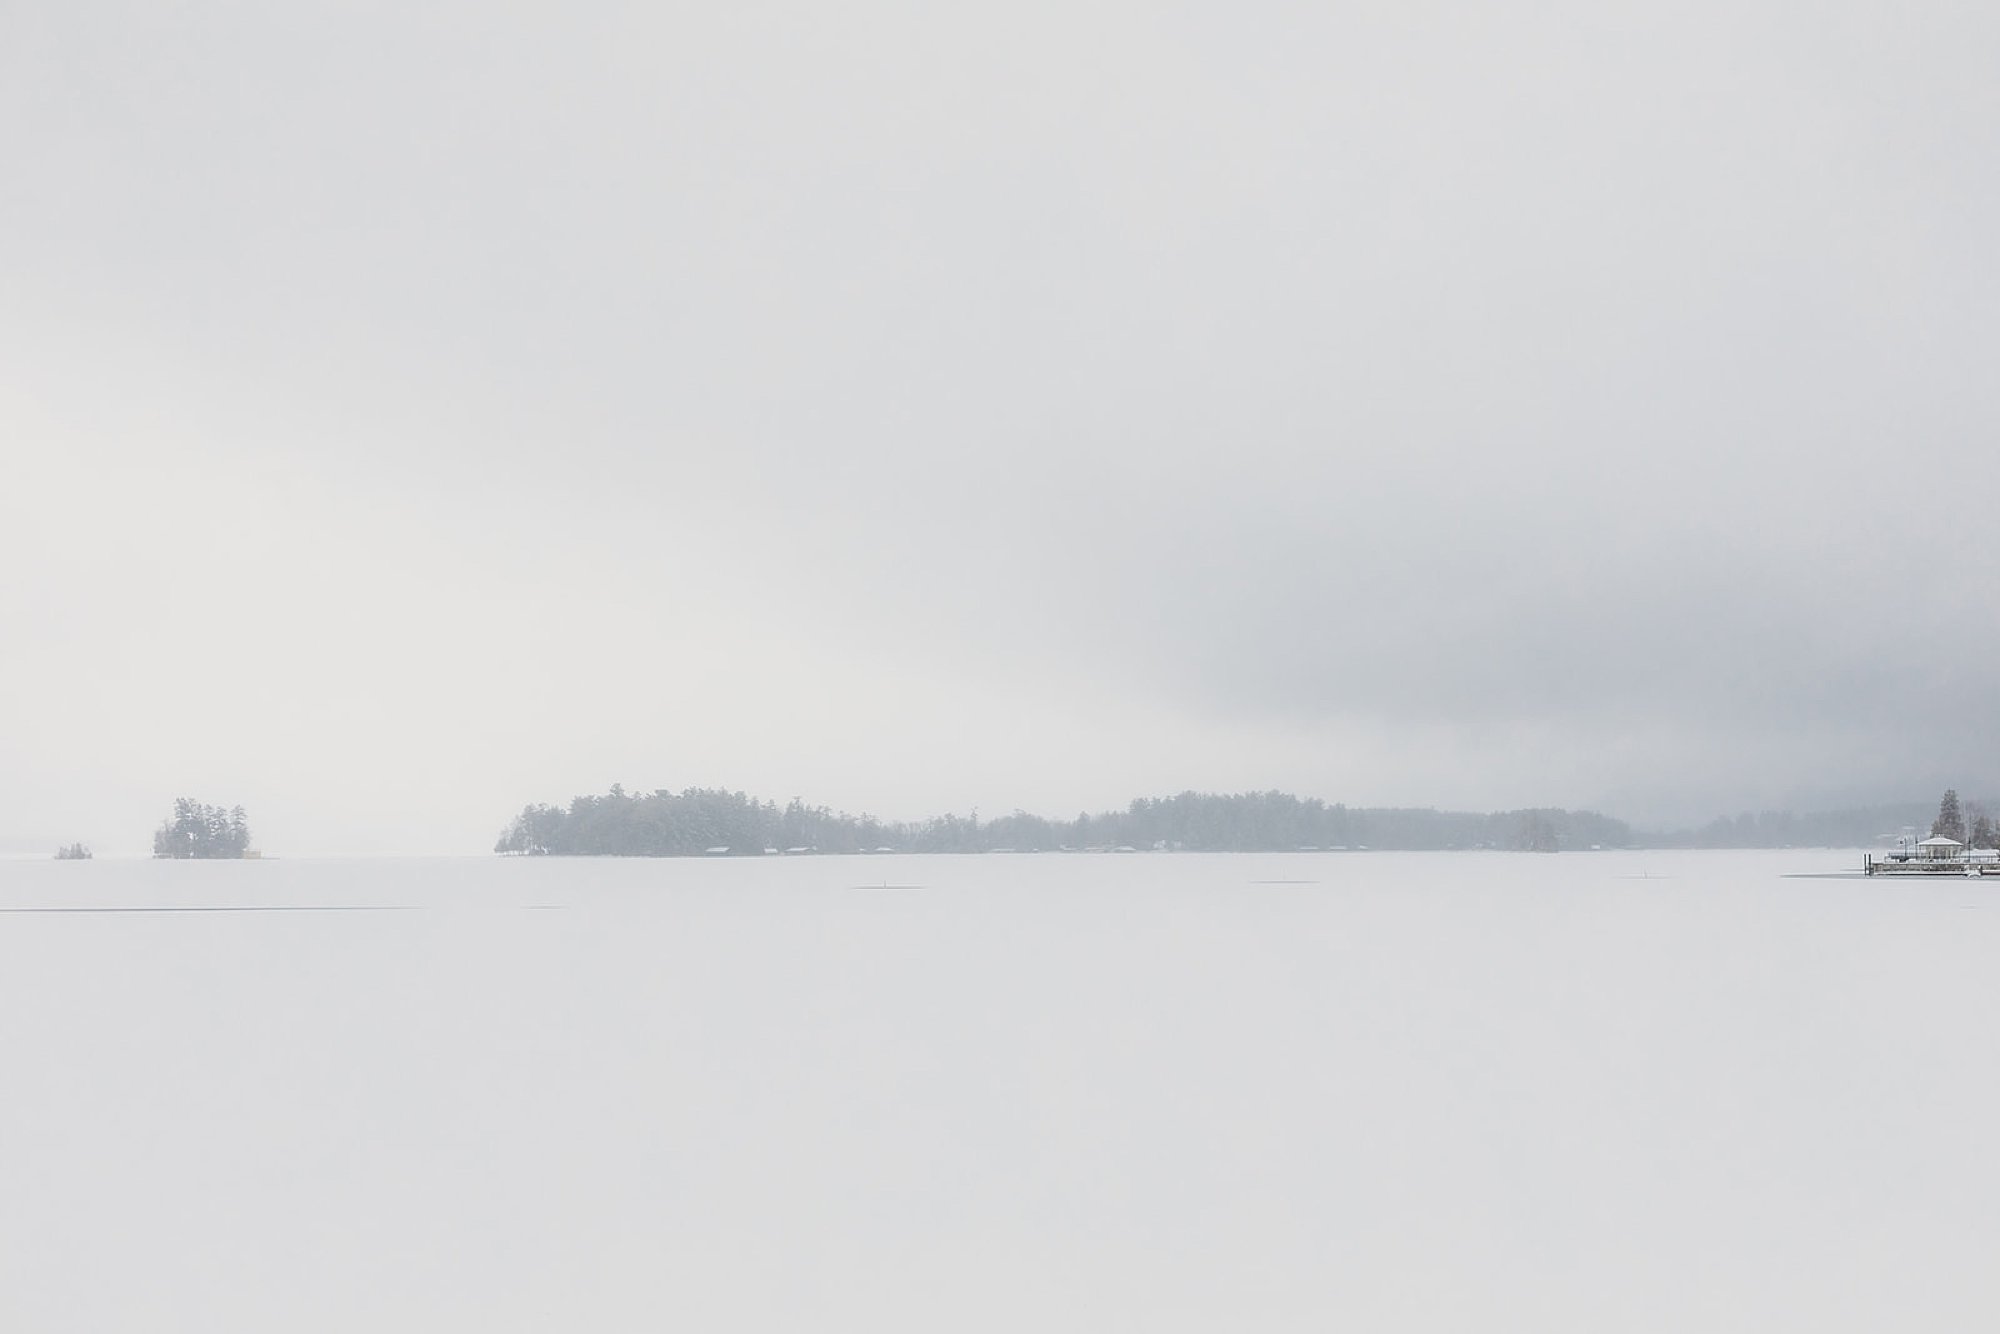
point(1590, 1092)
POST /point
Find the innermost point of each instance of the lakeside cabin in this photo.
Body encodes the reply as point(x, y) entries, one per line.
point(1936, 855)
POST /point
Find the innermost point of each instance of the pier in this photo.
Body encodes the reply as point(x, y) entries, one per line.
point(1936, 855)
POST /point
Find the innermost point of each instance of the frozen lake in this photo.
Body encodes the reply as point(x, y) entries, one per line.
point(1590, 1092)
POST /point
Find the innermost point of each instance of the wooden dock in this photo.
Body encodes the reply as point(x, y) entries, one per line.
point(1897, 863)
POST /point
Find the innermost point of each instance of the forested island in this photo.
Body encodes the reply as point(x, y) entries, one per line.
point(203, 832)
point(713, 821)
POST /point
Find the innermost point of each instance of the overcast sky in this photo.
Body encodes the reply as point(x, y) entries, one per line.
point(410, 411)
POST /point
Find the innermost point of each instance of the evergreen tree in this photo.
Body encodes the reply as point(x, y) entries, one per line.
point(1950, 822)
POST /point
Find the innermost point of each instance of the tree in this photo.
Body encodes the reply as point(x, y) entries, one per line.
point(536, 831)
point(1536, 833)
point(1983, 834)
point(1950, 822)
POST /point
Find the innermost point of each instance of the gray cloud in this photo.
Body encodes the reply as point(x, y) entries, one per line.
point(411, 412)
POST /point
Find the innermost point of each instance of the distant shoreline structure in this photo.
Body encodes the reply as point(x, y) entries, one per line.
point(1936, 855)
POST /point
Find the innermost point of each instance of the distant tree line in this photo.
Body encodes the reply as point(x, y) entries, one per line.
point(195, 830)
point(1855, 827)
point(74, 852)
point(711, 820)
point(1950, 822)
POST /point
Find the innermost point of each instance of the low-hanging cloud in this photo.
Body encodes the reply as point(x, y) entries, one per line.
point(413, 414)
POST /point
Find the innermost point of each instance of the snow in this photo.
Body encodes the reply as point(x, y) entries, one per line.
point(1608, 1091)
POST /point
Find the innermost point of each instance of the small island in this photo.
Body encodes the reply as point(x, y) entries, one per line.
point(74, 852)
point(203, 833)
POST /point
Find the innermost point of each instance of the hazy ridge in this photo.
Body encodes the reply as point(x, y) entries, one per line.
point(696, 821)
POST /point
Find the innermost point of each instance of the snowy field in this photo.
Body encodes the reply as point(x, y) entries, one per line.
point(1377, 1092)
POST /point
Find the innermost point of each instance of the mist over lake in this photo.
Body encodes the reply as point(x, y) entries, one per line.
point(1161, 518)
point(1473, 1091)
point(1037, 405)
